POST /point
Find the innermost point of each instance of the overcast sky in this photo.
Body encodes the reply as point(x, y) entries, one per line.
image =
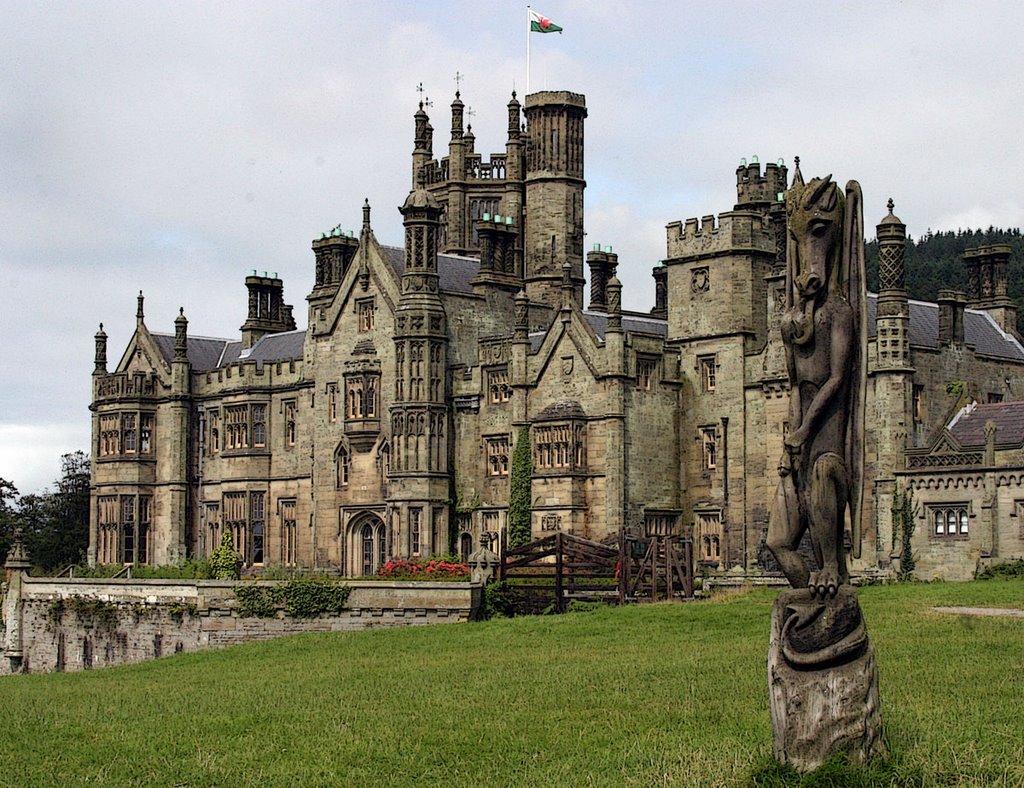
point(173, 147)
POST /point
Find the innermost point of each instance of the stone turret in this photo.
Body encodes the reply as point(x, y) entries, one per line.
point(892, 319)
point(515, 172)
point(419, 476)
point(421, 153)
point(554, 194)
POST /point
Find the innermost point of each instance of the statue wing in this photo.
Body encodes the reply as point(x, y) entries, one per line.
point(855, 280)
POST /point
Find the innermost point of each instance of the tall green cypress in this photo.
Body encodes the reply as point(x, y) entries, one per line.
point(520, 491)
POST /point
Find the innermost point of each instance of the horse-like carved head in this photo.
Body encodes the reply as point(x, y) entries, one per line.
point(815, 214)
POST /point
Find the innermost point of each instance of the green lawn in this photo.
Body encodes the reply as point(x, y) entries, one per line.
point(657, 694)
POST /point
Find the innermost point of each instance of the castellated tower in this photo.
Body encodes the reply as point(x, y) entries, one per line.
point(717, 277)
point(420, 484)
point(554, 194)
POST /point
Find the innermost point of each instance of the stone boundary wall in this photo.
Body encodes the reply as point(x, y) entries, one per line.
point(78, 624)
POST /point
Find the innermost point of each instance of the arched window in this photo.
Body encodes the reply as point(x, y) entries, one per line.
point(343, 462)
point(950, 520)
point(366, 537)
point(370, 545)
point(465, 546)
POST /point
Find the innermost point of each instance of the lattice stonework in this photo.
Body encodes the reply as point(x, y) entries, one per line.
point(890, 267)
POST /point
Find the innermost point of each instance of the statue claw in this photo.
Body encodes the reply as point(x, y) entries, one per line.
point(824, 584)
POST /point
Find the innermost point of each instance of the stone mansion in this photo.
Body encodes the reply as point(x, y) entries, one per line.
point(386, 427)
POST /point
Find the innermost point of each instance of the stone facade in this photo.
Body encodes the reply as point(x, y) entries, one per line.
point(386, 428)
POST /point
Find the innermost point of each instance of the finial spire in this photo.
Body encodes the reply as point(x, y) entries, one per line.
point(798, 178)
point(366, 208)
point(139, 313)
point(890, 205)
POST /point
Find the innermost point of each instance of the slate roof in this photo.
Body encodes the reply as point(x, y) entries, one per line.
point(980, 330)
point(456, 272)
point(968, 427)
point(209, 353)
point(631, 324)
point(285, 346)
point(204, 353)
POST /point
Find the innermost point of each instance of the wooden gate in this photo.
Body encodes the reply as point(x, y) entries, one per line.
point(580, 569)
point(551, 572)
point(656, 567)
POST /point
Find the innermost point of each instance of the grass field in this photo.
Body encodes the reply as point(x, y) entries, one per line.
point(642, 695)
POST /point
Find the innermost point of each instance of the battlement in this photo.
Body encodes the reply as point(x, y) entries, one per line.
point(734, 231)
point(553, 98)
point(754, 188)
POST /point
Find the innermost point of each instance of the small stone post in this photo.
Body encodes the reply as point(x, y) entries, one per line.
point(483, 563)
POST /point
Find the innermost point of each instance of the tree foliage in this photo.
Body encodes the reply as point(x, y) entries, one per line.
point(520, 491)
point(935, 262)
point(54, 523)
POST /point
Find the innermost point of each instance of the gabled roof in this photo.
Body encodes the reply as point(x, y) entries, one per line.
point(456, 271)
point(980, 330)
point(968, 426)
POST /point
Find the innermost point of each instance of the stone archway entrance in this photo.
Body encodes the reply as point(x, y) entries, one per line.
point(368, 544)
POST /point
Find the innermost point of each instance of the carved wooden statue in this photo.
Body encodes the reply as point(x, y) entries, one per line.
point(823, 679)
point(823, 332)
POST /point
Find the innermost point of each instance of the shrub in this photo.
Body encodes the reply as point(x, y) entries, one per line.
point(1007, 570)
point(498, 601)
point(224, 559)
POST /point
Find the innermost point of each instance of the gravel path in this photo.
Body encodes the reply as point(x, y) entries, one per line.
point(981, 611)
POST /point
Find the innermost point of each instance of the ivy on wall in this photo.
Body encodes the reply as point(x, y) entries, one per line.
point(303, 597)
point(903, 511)
point(520, 491)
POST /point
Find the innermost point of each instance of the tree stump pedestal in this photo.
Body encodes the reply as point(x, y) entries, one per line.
point(822, 681)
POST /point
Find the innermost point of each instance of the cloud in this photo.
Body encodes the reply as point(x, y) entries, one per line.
point(30, 453)
point(173, 148)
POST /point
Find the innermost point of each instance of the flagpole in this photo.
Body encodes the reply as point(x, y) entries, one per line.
point(528, 18)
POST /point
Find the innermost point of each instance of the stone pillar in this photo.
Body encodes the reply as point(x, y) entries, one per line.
point(16, 565)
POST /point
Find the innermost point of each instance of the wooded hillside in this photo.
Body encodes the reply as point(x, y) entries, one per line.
point(934, 262)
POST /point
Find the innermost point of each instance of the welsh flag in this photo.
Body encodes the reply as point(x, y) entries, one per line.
point(541, 24)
